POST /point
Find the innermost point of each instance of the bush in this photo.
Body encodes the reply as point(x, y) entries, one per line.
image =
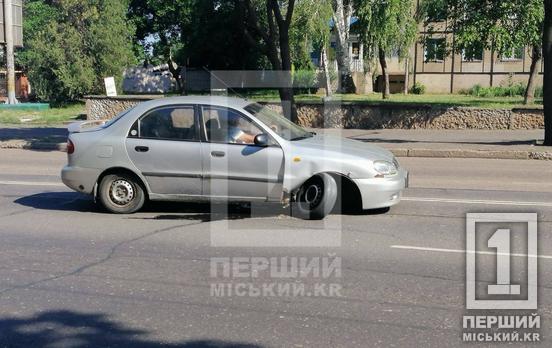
point(539, 92)
point(302, 78)
point(418, 88)
point(69, 55)
point(513, 90)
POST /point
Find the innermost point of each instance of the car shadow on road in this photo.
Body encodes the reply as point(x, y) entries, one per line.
point(203, 212)
point(69, 328)
point(61, 201)
point(206, 212)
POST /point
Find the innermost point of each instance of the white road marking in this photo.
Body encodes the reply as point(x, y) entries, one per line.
point(31, 183)
point(476, 201)
point(458, 251)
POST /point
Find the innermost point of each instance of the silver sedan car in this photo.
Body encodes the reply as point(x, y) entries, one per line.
point(226, 149)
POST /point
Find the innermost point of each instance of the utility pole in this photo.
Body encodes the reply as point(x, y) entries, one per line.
point(10, 54)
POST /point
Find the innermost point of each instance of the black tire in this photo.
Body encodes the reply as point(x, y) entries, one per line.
point(121, 194)
point(316, 198)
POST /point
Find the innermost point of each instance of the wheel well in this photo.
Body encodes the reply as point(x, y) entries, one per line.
point(349, 198)
point(120, 170)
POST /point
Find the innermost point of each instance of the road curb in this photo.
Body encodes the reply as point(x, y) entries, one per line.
point(429, 153)
point(464, 153)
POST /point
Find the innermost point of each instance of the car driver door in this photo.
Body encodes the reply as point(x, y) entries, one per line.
point(237, 168)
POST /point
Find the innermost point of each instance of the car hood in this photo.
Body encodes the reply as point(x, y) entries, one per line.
point(344, 146)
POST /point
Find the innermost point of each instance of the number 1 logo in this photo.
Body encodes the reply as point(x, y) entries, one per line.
point(501, 241)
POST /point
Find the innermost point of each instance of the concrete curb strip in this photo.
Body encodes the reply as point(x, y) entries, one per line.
point(488, 154)
point(432, 153)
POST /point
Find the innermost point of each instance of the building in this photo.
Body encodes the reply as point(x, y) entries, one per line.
point(445, 72)
point(450, 73)
point(22, 86)
point(441, 71)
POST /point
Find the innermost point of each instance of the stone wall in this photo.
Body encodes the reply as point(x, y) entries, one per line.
point(105, 108)
point(367, 116)
point(411, 116)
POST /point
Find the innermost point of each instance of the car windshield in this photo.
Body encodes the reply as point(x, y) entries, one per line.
point(278, 123)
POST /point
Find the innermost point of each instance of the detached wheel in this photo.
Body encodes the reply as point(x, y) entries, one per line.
point(316, 198)
point(121, 194)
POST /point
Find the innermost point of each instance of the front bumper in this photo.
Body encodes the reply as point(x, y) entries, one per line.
point(80, 179)
point(382, 192)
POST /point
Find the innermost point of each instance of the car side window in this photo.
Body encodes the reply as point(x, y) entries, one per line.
point(223, 125)
point(170, 123)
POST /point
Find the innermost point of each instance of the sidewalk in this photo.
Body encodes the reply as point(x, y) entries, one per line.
point(33, 137)
point(498, 144)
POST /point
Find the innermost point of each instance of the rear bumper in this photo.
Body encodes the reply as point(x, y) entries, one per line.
point(382, 192)
point(80, 179)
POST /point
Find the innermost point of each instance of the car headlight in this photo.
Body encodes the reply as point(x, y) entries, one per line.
point(385, 168)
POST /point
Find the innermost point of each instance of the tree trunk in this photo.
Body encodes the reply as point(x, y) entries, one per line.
point(175, 72)
point(547, 54)
point(286, 94)
point(342, 19)
point(327, 80)
point(406, 75)
point(533, 72)
point(385, 73)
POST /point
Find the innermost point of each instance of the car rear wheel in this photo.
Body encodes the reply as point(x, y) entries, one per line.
point(316, 198)
point(121, 194)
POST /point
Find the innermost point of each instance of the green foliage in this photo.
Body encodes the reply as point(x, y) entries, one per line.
point(517, 89)
point(73, 45)
point(387, 24)
point(494, 24)
point(199, 33)
point(418, 88)
point(310, 30)
point(303, 78)
point(59, 115)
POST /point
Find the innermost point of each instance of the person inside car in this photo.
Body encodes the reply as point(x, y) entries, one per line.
point(235, 134)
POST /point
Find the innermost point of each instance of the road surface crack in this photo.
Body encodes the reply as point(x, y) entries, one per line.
point(108, 257)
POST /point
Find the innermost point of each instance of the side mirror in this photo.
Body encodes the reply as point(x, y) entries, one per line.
point(261, 140)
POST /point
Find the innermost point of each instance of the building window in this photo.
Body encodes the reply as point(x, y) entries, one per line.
point(435, 50)
point(512, 54)
point(472, 53)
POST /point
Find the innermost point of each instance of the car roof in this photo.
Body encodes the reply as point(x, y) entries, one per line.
point(208, 100)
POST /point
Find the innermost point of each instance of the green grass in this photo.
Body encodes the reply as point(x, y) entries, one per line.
point(424, 99)
point(51, 116)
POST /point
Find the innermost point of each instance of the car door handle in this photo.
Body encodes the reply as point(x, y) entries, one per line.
point(141, 149)
point(218, 154)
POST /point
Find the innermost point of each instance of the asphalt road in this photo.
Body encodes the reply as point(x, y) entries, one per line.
point(72, 276)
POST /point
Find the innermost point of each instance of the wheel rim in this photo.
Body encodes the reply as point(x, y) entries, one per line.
point(311, 195)
point(121, 192)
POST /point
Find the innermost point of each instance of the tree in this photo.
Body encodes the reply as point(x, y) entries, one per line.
point(386, 26)
point(503, 26)
point(271, 20)
point(72, 46)
point(310, 32)
point(500, 26)
point(159, 25)
point(342, 17)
